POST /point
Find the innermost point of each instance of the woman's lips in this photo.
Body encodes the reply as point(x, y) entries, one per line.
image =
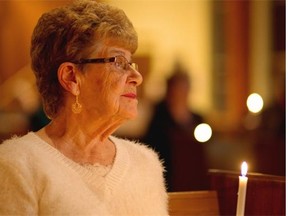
point(130, 95)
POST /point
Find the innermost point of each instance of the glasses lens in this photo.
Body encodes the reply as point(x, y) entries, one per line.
point(134, 66)
point(121, 62)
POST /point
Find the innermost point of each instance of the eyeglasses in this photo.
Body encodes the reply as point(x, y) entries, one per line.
point(120, 62)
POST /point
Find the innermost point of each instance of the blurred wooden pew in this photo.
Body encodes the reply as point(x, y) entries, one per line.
point(265, 194)
point(193, 203)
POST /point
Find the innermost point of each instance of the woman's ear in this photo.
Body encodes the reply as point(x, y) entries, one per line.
point(68, 77)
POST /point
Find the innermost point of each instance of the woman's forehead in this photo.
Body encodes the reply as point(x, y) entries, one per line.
point(119, 51)
point(113, 49)
point(120, 44)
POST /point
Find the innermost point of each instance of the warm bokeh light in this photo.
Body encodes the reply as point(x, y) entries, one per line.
point(244, 169)
point(255, 103)
point(203, 132)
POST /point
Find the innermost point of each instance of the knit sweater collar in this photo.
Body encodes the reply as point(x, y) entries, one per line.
point(111, 180)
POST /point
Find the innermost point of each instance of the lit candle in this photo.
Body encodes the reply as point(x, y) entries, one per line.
point(242, 190)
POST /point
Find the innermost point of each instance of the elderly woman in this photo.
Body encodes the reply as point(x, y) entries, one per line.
point(81, 55)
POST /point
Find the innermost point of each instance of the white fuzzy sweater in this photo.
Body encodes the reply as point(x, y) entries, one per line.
point(36, 179)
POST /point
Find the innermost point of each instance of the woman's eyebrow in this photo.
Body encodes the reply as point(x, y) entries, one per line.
point(119, 52)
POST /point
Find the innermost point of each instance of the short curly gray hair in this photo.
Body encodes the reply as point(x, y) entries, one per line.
point(68, 34)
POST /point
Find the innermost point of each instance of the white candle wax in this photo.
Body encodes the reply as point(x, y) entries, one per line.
point(242, 190)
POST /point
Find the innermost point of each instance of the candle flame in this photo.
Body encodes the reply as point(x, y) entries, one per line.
point(244, 168)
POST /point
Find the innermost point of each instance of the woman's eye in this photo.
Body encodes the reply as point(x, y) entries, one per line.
point(120, 65)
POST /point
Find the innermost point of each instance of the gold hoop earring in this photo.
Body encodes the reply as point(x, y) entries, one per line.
point(76, 107)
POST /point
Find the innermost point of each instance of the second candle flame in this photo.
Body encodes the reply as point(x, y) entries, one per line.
point(244, 169)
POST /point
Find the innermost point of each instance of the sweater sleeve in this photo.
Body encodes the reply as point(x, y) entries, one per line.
point(17, 195)
point(158, 187)
point(151, 180)
point(141, 190)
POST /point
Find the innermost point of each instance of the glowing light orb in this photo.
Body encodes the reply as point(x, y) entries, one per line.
point(203, 132)
point(255, 103)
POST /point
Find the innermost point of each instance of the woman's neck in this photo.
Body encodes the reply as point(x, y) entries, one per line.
point(79, 142)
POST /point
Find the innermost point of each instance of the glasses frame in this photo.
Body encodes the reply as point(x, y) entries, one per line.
point(125, 66)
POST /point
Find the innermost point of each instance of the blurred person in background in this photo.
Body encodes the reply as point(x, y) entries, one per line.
point(269, 137)
point(171, 133)
point(81, 56)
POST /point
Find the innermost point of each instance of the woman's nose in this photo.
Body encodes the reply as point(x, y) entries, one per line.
point(135, 77)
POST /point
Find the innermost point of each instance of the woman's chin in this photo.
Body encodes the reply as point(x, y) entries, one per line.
point(130, 115)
